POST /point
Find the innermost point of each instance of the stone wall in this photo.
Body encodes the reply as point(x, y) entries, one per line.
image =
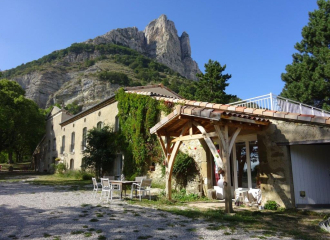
point(197, 183)
point(275, 160)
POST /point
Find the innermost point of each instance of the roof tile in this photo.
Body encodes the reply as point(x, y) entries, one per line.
point(209, 105)
point(206, 112)
point(249, 110)
point(224, 106)
point(318, 119)
point(197, 103)
point(291, 116)
point(203, 104)
point(217, 106)
point(240, 109)
point(280, 114)
point(216, 114)
point(197, 111)
point(268, 113)
point(232, 108)
point(258, 111)
point(305, 117)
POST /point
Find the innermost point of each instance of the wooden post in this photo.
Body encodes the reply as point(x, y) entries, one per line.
point(248, 163)
point(227, 145)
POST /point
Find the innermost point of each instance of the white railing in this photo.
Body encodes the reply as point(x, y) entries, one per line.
point(278, 103)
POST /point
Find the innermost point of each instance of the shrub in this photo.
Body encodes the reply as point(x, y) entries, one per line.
point(10, 169)
point(271, 205)
point(184, 166)
point(182, 196)
point(60, 168)
point(86, 176)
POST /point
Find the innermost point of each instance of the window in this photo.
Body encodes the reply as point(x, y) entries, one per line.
point(73, 135)
point(99, 125)
point(84, 141)
point(63, 144)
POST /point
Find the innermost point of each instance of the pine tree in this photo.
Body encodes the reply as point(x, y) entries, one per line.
point(211, 85)
point(307, 78)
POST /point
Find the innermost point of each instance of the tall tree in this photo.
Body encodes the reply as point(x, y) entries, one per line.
point(21, 122)
point(101, 149)
point(307, 78)
point(211, 85)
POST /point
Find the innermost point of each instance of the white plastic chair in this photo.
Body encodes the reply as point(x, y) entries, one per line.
point(109, 188)
point(142, 188)
point(106, 188)
point(95, 186)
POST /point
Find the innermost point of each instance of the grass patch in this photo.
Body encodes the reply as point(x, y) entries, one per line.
point(87, 234)
point(46, 235)
point(77, 232)
point(287, 223)
point(60, 180)
point(98, 231)
point(101, 237)
point(144, 237)
point(94, 220)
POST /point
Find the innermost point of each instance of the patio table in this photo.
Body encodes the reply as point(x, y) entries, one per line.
point(122, 185)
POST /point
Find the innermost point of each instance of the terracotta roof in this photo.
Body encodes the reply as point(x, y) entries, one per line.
point(206, 113)
point(154, 90)
point(250, 112)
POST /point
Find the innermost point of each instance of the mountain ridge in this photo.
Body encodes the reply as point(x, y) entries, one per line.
point(73, 74)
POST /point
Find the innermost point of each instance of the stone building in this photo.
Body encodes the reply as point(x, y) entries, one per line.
point(282, 153)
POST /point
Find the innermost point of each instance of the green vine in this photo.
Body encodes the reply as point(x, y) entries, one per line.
point(137, 114)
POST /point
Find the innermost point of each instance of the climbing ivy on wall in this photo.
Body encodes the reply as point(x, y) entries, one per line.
point(137, 114)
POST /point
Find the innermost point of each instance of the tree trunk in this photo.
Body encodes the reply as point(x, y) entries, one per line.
point(10, 157)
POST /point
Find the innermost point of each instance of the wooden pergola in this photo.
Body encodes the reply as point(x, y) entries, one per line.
point(187, 123)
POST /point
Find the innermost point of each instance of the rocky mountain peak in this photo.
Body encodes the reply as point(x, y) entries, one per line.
point(160, 41)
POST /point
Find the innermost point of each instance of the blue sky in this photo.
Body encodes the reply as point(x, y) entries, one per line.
point(254, 38)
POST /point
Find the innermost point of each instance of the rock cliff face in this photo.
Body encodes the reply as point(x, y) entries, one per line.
point(64, 81)
point(160, 41)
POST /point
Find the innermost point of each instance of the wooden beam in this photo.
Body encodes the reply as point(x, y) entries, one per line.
point(233, 139)
point(219, 134)
point(170, 169)
point(194, 137)
point(209, 142)
point(159, 137)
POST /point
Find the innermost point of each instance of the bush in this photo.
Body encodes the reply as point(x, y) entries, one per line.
point(271, 205)
point(60, 168)
point(114, 78)
point(86, 176)
point(10, 169)
point(184, 166)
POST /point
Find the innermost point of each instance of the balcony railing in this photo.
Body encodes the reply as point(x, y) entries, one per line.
point(277, 103)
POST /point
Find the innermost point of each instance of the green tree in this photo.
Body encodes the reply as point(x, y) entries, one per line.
point(307, 78)
point(211, 85)
point(21, 121)
point(101, 149)
point(73, 108)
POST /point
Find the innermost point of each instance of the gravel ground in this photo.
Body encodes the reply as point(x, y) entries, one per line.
point(42, 212)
